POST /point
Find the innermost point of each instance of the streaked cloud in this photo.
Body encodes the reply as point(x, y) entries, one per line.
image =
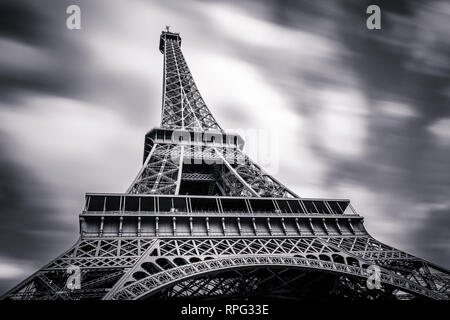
point(354, 114)
point(441, 129)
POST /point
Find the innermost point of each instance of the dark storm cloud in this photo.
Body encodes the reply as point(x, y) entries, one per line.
point(29, 224)
point(21, 195)
point(388, 70)
point(436, 228)
point(385, 60)
point(407, 62)
point(384, 64)
point(402, 161)
point(21, 22)
point(26, 23)
point(63, 66)
point(30, 231)
point(39, 57)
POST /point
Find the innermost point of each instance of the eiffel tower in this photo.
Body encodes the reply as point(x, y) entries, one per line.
point(203, 221)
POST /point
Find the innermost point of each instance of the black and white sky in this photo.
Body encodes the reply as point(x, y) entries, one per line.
point(359, 114)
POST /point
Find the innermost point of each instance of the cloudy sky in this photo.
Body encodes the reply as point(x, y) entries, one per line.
point(356, 113)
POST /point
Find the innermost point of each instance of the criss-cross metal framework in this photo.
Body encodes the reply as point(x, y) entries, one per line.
point(202, 220)
point(183, 106)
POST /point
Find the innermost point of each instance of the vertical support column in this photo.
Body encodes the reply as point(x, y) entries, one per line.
point(298, 227)
point(82, 225)
point(180, 171)
point(325, 226)
point(238, 220)
point(164, 80)
point(174, 225)
point(180, 83)
point(120, 226)
point(312, 226)
point(269, 226)
point(351, 225)
point(139, 226)
point(207, 226)
point(224, 226)
point(254, 226)
point(338, 226)
point(102, 223)
point(284, 226)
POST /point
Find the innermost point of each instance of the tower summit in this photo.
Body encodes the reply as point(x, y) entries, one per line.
point(167, 35)
point(202, 220)
point(183, 106)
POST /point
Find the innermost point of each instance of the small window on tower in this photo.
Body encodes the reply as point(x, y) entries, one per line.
point(131, 203)
point(112, 203)
point(96, 203)
point(147, 204)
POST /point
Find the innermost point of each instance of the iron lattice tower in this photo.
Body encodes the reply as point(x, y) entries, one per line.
point(201, 220)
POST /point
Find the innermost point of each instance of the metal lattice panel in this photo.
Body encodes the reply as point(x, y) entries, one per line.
point(274, 284)
point(183, 105)
point(202, 220)
point(160, 172)
point(152, 283)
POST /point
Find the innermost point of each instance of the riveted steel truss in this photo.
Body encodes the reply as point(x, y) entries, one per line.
point(183, 106)
point(274, 284)
point(159, 174)
point(261, 183)
point(235, 174)
point(148, 284)
point(137, 268)
point(202, 220)
point(102, 262)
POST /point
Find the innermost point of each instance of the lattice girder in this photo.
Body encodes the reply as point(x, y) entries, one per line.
point(102, 262)
point(203, 220)
point(183, 105)
point(152, 283)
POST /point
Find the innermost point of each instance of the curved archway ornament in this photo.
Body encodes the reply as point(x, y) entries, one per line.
point(155, 282)
point(199, 208)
